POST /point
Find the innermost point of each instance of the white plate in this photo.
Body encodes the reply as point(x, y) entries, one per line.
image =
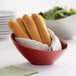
point(7, 33)
point(4, 29)
point(4, 23)
point(2, 32)
point(7, 18)
point(6, 13)
point(4, 26)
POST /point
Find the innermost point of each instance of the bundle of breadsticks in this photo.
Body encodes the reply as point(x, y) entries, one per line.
point(32, 32)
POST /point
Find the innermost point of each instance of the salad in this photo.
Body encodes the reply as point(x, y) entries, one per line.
point(57, 13)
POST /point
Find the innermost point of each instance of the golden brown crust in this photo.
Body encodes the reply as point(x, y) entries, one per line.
point(39, 21)
point(16, 29)
point(21, 24)
point(31, 27)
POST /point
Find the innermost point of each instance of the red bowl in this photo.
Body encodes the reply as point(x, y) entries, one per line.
point(39, 57)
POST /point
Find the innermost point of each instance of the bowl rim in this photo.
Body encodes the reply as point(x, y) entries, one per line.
point(61, 40)
point(61, 18)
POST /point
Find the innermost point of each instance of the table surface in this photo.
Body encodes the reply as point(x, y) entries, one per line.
point(64, 66)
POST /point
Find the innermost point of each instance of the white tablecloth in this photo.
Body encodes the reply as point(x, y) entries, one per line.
point(64, 66)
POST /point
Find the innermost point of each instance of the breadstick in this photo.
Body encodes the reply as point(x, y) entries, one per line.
point(31, 28)
point(16, 29)
point(20, 22)
point(39, 21)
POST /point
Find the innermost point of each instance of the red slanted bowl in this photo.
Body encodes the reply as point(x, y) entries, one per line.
point(39, 57)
